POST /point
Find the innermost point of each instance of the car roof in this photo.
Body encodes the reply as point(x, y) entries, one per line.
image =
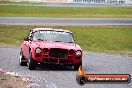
point(50, 29)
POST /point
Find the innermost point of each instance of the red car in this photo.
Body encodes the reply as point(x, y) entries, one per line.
point(50, 46)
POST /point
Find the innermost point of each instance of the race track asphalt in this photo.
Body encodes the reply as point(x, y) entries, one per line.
point(65, 21)
point(65, 77)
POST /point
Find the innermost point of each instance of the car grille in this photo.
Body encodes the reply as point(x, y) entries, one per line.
point(58, 53)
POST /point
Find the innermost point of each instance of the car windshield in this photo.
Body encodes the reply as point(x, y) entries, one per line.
point(54, 36)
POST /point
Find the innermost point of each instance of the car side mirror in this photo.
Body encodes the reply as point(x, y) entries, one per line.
point(26, 39)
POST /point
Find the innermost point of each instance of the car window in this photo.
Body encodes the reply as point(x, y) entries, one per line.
point(54, 36)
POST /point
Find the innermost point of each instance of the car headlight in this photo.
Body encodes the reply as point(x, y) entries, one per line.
point(78, 53)
point(38, 50)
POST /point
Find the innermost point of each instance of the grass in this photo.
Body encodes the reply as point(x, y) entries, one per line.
point(68, 12)
point(91, 38)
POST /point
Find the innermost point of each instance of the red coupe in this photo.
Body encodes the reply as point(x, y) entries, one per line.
point(50, 46)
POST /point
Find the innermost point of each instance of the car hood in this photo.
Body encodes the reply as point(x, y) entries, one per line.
point(63, 45)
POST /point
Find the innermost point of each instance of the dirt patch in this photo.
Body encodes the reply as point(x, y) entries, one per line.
point(9, 81)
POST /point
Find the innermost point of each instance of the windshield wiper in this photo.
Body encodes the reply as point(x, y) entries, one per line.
point(70, 42)
point(63, 41)
point(58, 41)
point(42, 39)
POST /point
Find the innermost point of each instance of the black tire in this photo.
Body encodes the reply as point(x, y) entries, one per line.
point(76, 66)
point(22, 60)
point(31, 63)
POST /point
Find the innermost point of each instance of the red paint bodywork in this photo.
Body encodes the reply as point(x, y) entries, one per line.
point(44, 56)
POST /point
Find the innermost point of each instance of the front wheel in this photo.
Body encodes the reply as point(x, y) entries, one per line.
point(76, 66)
point(22, 60)
point(31, 63)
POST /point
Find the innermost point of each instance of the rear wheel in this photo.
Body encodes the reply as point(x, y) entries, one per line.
point(31, 63)
point(22, 60)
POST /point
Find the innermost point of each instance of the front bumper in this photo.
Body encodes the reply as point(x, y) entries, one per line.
point(61, 61)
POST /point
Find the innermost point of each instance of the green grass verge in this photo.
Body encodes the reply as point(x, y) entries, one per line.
point(91, 38)
point(68, 12)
